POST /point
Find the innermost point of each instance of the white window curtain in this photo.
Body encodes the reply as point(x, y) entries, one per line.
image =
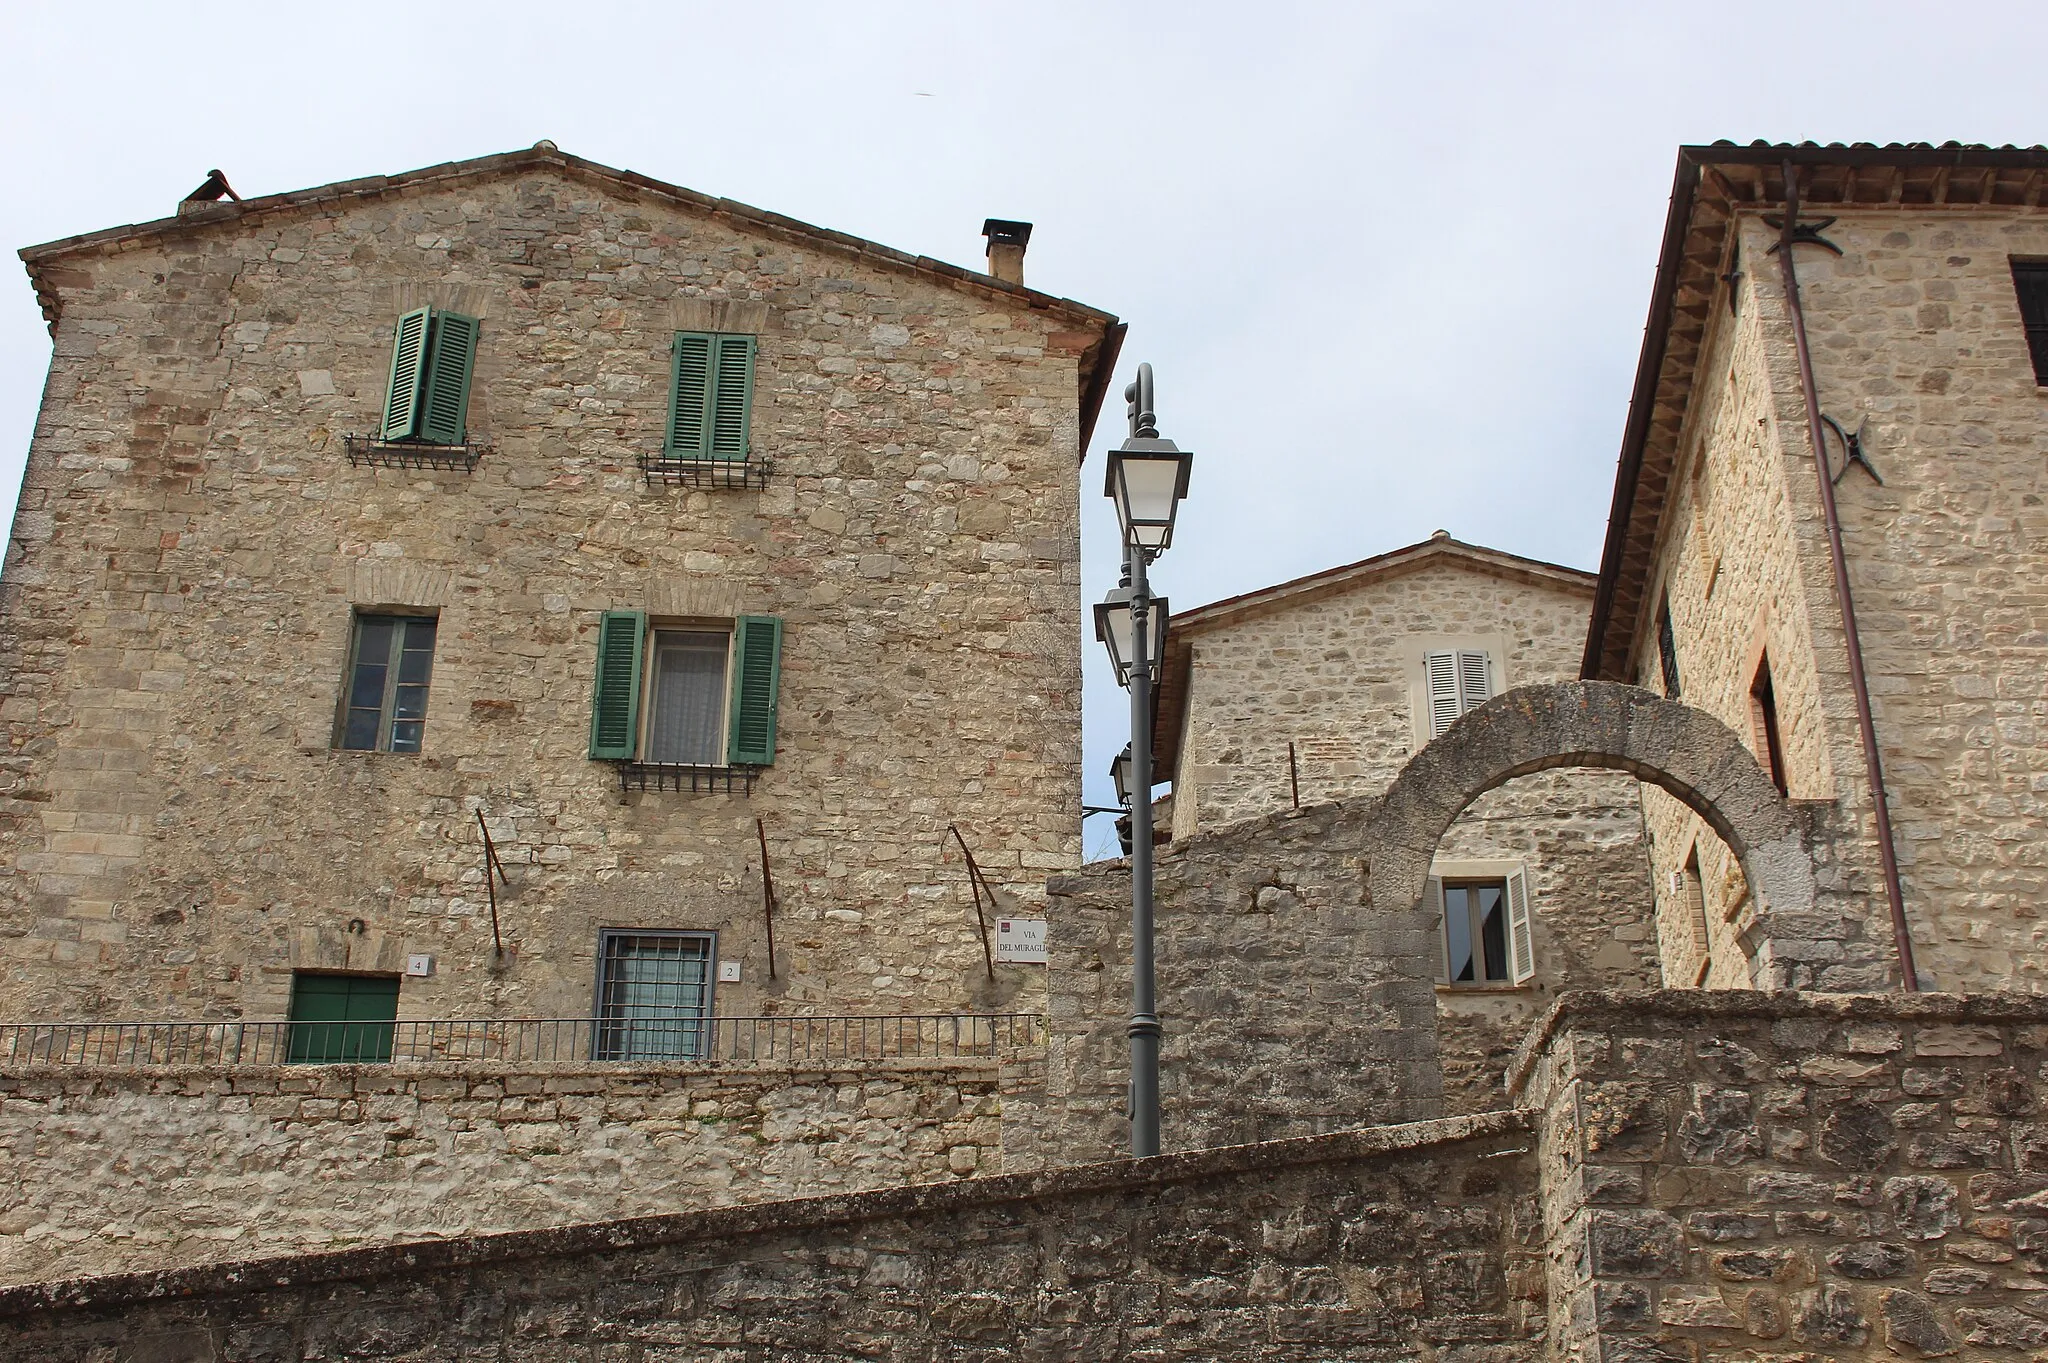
point(688, 720)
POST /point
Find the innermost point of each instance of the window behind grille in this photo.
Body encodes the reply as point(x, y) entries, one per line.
point(653, 995)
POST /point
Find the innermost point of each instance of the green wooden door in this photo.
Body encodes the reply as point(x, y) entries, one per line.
point(342, 1018)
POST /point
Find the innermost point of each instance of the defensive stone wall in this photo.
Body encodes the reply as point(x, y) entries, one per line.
point(1707, 1176)
point(120, 1169)
point(1291, 1004)
point(178, 832)
point(1732, 1176)
point(1391, 1244)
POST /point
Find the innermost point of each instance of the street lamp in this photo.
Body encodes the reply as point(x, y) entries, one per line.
point(1114, 627)
point(1147, 479)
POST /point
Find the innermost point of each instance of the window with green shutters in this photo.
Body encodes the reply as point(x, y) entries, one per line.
point(433, 356)
point(341, 1018)
point(686, 695)
point(711, 397)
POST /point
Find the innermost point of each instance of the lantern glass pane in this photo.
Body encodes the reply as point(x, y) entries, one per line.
point(1147, 490)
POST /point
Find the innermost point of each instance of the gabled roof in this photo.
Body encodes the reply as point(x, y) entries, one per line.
point(1438, 550)
point(1097, 364)
point(1712, 186)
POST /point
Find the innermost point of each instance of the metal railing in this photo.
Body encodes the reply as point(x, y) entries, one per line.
point(796, 1039)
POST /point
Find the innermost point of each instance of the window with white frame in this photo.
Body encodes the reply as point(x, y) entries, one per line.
point(1485, 932)
point(1458, 680)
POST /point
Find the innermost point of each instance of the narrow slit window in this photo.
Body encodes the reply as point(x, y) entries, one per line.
point(1763, 713)
point(384, 702)
point(1667, 649)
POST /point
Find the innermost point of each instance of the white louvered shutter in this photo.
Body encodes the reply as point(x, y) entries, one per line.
point(1474, 681)
point(1441, 672)
point(1521, 950)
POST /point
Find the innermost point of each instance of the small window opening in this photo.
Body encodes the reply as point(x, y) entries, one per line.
point(2030, 278)
point(1693, 904)
point(1476, 931)
point(1667, 649)
point(384, 703)
point(1763, 712)
point(653, 995)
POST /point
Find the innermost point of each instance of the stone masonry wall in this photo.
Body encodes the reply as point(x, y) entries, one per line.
point(1337, 674)
point(107, 1169)
point(1916, 329)
point(1731, 1176)
point(1389, 1245)
point(1737, 571)
point(177, 832)
point(1292, 1004)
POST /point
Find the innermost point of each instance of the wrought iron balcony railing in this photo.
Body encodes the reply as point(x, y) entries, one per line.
point(632, 1040)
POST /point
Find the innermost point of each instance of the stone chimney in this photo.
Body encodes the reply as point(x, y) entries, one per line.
point(1006, 243)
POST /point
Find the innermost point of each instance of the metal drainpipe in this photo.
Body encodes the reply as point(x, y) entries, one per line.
point(1909, 976)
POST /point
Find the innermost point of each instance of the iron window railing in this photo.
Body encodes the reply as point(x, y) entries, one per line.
point(803, 1039)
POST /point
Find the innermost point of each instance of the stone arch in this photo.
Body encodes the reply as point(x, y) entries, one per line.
point(1685, 751)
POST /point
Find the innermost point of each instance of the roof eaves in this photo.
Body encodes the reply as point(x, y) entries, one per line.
point(1609, 635)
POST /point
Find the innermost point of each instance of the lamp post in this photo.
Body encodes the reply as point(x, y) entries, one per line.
point(1147, 478)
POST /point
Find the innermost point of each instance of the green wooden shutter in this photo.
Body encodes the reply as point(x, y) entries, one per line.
point(615, 708)
point(408, 369)
point(451, 355)
point(756, 676)
point(732, 396)
point(689, 397)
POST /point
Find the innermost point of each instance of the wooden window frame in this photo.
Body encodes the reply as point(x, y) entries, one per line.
point(622, 697)
point(1518, 923)
point(387, 707)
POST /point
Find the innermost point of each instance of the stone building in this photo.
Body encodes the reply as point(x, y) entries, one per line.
point(1822, 1167)
point(1924, 311)
point(1322, 688)
point(650, 532)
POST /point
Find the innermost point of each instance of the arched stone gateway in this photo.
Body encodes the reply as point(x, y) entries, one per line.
point(1687, 752)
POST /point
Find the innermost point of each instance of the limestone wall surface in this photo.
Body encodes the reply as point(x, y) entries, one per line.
point(1731, 1176)
point(109, 1169)
point(1916, 329)
point(1917, 341)
point(1307, 1250)
point(178, 831)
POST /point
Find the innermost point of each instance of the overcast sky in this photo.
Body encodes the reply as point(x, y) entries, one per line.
point(1391, 262)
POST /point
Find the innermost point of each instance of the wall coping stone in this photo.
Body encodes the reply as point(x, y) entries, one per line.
point(1627, 1007)
point(1132, 1175)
